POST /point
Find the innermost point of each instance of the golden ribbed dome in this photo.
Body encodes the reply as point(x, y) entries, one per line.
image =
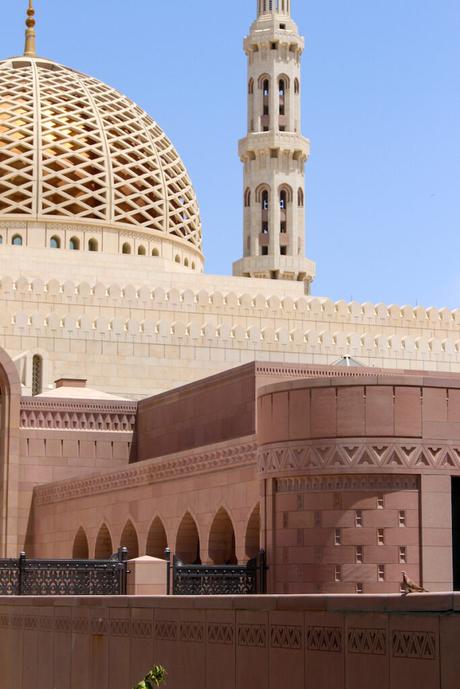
point(72, 148)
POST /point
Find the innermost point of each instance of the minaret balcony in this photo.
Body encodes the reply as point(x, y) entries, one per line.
point(263, 141)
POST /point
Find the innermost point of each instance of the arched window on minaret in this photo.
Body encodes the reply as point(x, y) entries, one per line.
point(264, 84)
point(300, 198)
point(285, 198)
point(296, 86)
point(251, 86)
point(247, 198)
point(265, 206)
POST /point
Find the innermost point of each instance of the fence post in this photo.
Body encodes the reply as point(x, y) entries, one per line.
point(168, 571)
point(122, 556)
point(22, 562)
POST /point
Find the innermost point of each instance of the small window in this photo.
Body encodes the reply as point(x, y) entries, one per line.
point(247, 198)
point(403, 555)
point(380, 502)
point(282, 27)
point(380, 537)
point(265, 200)
point(265, 251)
point(186, 263)
point(300, 198)
point(251, 86)
point(126, 248)
point(338, 537)
point(282, 87)
point(402, 519)
point(265, 227)
point(92, 245)
point(193, 265)
point(381, 573)
point(283, 250)
point(155, 252)
point(17, 240)
point(266, 111)
point(177, 259)
point(273, 45)
point(265, 129)
point(55, 243)
point(358, 518)
point(296, 86)
point(282, 129)
point(266, 87)
point(283, 227)
point(359, 555)
point(283, 199)
point(74, 244)
point(141, 251)
point(359, 588)
point(338, 573)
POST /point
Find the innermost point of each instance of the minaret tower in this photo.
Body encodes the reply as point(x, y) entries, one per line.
point(274, 152)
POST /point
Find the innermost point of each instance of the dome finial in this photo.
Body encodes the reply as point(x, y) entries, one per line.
point(30, 50)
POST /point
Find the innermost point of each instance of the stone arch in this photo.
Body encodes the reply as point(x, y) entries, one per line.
point(188, 541)
point(80, 550)
point(104, 545)
point(130, 540)
point(252, 538)
point(157, 540)
point(13, 532)
point(221, 545)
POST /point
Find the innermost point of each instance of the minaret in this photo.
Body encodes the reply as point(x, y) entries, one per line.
point(274, 152)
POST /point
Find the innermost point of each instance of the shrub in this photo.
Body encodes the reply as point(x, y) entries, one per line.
point(155, 677)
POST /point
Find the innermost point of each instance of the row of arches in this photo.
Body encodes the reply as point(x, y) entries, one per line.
point(265, 80)
point(266, 104)
point(16, 240)
point(263, 196)
point(221, 541)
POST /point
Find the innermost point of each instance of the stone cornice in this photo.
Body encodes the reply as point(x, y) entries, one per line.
point(77, 415)
point(215, 458)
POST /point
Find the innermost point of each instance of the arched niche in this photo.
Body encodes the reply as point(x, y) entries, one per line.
point(252, 539)
point(188, 541)
point(80, 550)
point(221, 545)
point(130, 540)
point(157, 540)
point(104, 546)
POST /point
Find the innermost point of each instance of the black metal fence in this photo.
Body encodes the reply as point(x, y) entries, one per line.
point(23, 577)
point(216, 580)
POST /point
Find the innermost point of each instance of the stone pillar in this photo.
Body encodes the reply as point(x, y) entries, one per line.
point(436, 532)
point(147, 576)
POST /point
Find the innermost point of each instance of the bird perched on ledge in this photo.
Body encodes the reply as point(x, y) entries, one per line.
point(410, 586)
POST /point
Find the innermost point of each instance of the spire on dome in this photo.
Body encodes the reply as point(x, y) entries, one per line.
point(30, 50)
point(273, 7)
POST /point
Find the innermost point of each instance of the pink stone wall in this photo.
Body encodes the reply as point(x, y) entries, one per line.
point(359, 473)
point(265, 642)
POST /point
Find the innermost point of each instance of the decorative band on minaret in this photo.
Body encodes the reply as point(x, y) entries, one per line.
point(274, 152)
point(30, 48)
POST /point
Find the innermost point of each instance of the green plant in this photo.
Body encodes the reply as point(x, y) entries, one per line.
point(155, 677)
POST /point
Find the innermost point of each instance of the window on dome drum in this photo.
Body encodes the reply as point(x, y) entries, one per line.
point(74, 244)
point(17, 240)
point(126, 249)
point(37, 374)
point(186, 262)
point(193, 266)
point(177, 259)
point(93, 245)
point(155, 252)
point(55, 243)
point(141, 251)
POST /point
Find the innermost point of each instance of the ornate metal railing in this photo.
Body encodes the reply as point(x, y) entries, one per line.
point(23, 577)
point(216, 580)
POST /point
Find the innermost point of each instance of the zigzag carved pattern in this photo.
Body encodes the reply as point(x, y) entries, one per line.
point(325, 639)
point(282, 636)
point(420, 645)
point(221, 634)
point(362, 454)
point(73, 416)
point(192, 632)
point(166, 631)
point(367, 641)
point(252, 635)
point(120, 627)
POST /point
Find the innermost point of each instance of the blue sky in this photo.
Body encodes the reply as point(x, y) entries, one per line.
point(381, 106)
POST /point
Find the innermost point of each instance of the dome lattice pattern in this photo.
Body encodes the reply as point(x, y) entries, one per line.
point(72, 147)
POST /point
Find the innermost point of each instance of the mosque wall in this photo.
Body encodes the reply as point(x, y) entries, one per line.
point(136, 333)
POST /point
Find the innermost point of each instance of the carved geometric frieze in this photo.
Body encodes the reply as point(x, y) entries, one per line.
point(150, 471)
point(342, 482)
point(367, 641)
point(324, 639)
point(360, 454)
point(77, 416)
point(286, 636)
point(254, 635)
point(408, 644)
